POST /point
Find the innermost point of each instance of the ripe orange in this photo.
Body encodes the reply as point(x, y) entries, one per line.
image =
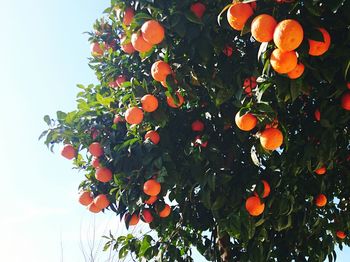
point(96, 149)
point(238, 14)
point(341, 234)
point(147, 216)
point(95, 162)
point(271, 138)
point(321, 171)
point(128, 16)
point(134, 219)
point(139, 43)
point(198, 9)
point(85, 198)
point(320, 200)
point(134, 115)
point(246, 122)
point(172, 103)
point(266, 191)
point(263, 27)
point(101, 201)
point(197, 126)
point(93, 208)
point(68, 151)
point(153, 32)
point(126, 46)
point(317, 115)
point(283, 62)
point(228, 50)
point(160, 70)
point(152, 187)
point(103, 174)
point(120, 80)
point(318, 48)
point(254, 206)
point(96, 49)
point(288, 35)
point(345, 101)
point(297, 71)
point(118, 119)
point(149, 103)
point(151, 200)
point(273, 124)
point(165, 212)
point(153, 136)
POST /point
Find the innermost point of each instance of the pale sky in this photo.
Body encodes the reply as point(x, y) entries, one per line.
point(43, 57)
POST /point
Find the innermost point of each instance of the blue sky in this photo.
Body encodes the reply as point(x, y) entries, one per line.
point(43, 57)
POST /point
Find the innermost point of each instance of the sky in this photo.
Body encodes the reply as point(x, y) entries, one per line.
point(43, 56)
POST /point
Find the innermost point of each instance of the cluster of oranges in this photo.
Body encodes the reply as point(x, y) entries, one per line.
point(287, 36)
point(254, 204)
point(151, 188)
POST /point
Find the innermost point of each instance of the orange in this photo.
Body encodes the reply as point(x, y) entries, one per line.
point(160, 70)
point(101, 201)
point(318, 48)
point(153, 136)
point(128, 16)
point(93, 208)
point(317, 115)
point(95, 162)
point(341, 234)
point(254, 206)
point(271, 138)
point(165, 212)
point(68, 151)
point(139, 43)
point(134, 115)
point(151, 200)
point(246, 122)
point(120, 80)
point(149, 103)
point(288, 35)
point(118, 119)
point(238, 14)
point(134, 219)
point(273, 124)
point(263, 27)
point(151, 187)
point(197, 126)
point(320, 200)
point(228, 50)
point(126, 46)
point(171, 101)
point(153, 32)
point(85, 198)
point(147, 216)
point(103, 174)
point(297, 71)
point(321, 171)
point(96, 49)
point(198, 9)
point(253, 5)
point(267, 190)
point(96, 149)
point(283, 62)
point(345, 101)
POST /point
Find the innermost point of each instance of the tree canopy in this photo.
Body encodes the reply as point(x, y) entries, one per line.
point(224, 126)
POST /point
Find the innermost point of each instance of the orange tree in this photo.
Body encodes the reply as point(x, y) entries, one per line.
point(225, 126)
